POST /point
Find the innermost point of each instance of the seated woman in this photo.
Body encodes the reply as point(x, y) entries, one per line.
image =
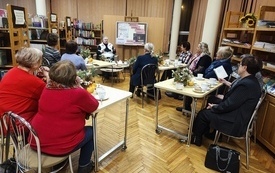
point(184, 55)
point(70, 54)
point(141, 61)
point(233, 113)
point(223, 58)
point(107, 49)
point(198, 64)
point(20, 88)
point(65, 115)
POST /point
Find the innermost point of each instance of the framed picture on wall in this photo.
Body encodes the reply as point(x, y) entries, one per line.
point(68, 21)
point(18, 16)
point(53, 18)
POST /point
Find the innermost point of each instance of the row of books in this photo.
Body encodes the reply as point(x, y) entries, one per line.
point(82, 25)
point(84, 41)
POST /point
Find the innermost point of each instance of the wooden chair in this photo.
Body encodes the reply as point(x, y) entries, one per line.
point(28, 159)
point(249, 130)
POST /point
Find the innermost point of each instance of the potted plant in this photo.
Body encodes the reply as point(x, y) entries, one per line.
point(85, 53)
point(182, 75)
point(87, 77)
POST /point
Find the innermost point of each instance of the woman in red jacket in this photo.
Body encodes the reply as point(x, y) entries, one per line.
point(62, 109)
point(20, 88)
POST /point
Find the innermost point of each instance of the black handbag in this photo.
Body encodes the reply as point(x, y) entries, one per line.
point(222, 159)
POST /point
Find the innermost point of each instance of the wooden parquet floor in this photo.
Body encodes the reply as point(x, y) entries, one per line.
point(149, 152)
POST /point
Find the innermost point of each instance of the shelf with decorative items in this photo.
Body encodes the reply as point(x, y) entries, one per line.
point(13, 36)
point(235, 33)
point(264, 38)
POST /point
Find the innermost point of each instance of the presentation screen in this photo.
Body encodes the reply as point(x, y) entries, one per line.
point(131, 33)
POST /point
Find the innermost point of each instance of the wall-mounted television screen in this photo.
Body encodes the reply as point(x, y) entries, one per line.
point(131, 33)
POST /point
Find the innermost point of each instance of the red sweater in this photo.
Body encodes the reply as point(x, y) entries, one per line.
point(20, 92)
point(60, 120)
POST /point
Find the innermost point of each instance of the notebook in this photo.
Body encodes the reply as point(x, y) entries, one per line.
point(220, 72)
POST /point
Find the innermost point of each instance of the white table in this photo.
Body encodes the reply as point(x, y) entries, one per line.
point(99, 64)
point(187, 91)
point(114, 96)
point(171, 67)
point(102, 64)
point(115, 68)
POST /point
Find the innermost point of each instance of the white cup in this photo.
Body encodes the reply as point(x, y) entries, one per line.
point(213, 79)
point(179, 86)
point(200, 76)
point(204, 87)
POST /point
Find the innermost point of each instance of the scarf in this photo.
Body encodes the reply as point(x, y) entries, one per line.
point(54, 85)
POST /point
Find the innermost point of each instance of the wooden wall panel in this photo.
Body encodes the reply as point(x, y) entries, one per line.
point(65, 8)
point(28, 4)
point(154, 36)
point(197, 23)
point(154, 8)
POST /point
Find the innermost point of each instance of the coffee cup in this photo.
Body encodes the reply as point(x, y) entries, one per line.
point(200, 76)
point(204, 87)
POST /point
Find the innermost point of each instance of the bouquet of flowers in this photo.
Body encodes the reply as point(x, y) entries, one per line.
point(249, 19)
point(86, 77)
point(182, 75)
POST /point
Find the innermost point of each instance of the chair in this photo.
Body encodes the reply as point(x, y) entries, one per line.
point(249, 130)
point(46, 62)
point(28, 159)
point(149, 74)
point(3, 150)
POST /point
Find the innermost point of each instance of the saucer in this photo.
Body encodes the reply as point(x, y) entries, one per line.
point(199, 78)
point(196, 91)
point(97, 97)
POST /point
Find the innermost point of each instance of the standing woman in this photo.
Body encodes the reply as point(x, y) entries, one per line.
point(20, 88)
point(141, 61)
point(65, 115)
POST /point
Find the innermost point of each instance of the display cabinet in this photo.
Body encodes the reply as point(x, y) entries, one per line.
point(14, 37)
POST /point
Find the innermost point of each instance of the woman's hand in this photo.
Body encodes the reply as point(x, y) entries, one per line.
point(210, 105)
point(43, 72)
point(225, 82)
point(78, 81)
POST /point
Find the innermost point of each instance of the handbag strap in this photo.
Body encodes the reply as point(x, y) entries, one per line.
point(218, 156)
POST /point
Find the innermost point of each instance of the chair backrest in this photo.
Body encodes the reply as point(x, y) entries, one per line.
point(149, 73)
point(19, 129)
point(2, 138)
point(250, 124)
point(46, 62)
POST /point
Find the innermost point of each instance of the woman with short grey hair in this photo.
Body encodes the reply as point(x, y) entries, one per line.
point(141, 61)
